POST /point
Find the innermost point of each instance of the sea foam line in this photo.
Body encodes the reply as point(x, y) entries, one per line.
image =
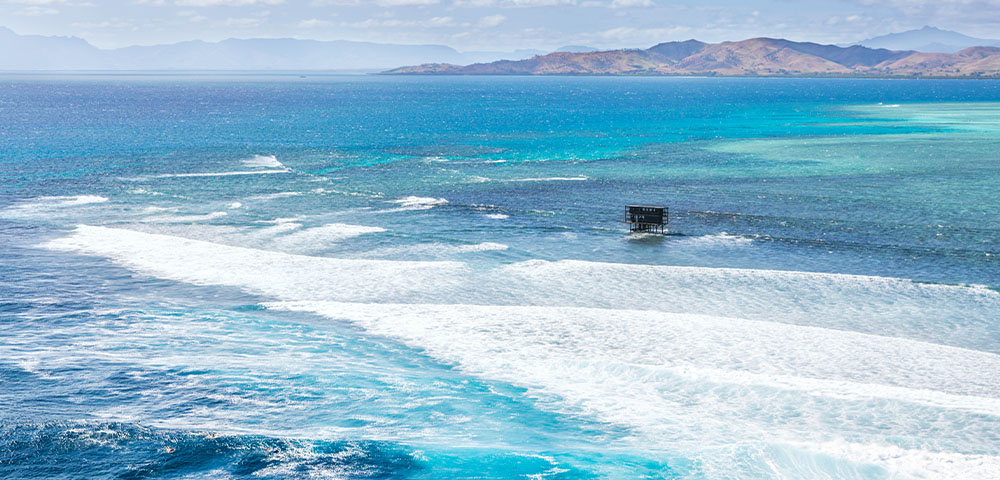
point(257, 161)
point(420, 202)
point(184, 218)
point(579, 178)
point(412, 202)
point(260, 271)
point(219, 174)
point(439, 249)
point(61, 201)
point(50, 205)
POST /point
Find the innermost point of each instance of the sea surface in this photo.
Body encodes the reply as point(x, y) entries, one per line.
point(358, 277)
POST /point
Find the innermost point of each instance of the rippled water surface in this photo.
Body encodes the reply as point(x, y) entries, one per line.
point(384, 277)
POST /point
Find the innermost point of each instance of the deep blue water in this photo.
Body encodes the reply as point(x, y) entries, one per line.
point(395, 277)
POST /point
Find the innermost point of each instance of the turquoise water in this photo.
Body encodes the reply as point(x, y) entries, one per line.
point(390, 277)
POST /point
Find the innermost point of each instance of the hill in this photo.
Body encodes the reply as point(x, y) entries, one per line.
point(36, 52)
point(753, 57)
point(928, 39)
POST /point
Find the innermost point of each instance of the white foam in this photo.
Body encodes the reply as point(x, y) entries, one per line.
point(263, 161)
point(270, 273)
point(278, 228)
point(355, 194)
point(481, 247)
point(414, 203)
point(579, 178)
point(155, 209)
point(722, 239)
point(960, 316)
point(952, 315)
point(62, 201)
point(496, 216)
point(437, 249)
point(143, 191)
point(912, 463)
point(219, 174)
point(420, 202)
point(829, 363)
point(278, 220)
point(184, 218)
point(48, 206)
point(317, 238)
point(644, 236)
point(272, 196)
point(699, 382)
point(75, 200)
point(196, 229)
point(804, 359)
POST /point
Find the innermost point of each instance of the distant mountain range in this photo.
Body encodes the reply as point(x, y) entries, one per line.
point(928, 39)
point(37, 52)
point(754, 57)
point(925, 52)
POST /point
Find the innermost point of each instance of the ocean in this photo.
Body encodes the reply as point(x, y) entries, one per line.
point(354, 277)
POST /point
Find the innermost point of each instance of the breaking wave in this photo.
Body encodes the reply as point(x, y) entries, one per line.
point(263, 161)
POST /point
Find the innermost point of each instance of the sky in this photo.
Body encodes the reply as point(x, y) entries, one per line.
point(496, 25)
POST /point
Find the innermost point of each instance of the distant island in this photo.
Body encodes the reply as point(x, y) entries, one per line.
point(47, 53)
point(927, 52)
point(753, 57)
point(928, 39)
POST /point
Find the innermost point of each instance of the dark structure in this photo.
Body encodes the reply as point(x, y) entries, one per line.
point(646, 219)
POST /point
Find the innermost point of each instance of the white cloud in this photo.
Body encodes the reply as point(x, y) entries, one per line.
point(40, 3)
point(436, 22)
point(537, 3)
point(951, 8)
point(381, 3)
point(512, 3)
point(35, 11)
point(226, 3)
point(632, 3)
point(405, 3)
point(631, 35)
point(112, 23)
point(246, 22)
point(490, 21)
point(315, 23)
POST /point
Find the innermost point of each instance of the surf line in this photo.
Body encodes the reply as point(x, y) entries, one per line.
point(221, 174)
